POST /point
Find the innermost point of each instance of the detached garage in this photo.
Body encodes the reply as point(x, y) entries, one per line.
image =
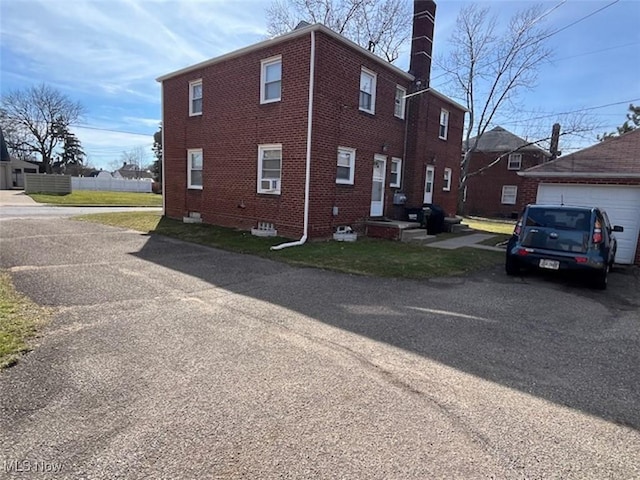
point(606, 175)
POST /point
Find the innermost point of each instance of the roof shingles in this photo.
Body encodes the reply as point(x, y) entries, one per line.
point(618, 155)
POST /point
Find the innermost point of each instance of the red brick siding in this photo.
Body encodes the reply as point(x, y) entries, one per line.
point(229, 131)
point(425, 148)
point(388, 233)
point(530, 192)
point(339, 122)
point(484, 191)
point(234, 123)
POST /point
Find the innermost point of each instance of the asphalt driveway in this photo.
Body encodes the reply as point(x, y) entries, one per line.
point(171, 360)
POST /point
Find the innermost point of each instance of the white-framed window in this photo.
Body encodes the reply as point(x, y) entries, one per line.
point(515, 161)
point(444, 124)
point(269, 168)
point(509, 194)
point(447, 180)
point(398, 110)
point(194, 168)
point(346, 165)
point(367, 102)
point(195, 97)
point(396, 172)
point(271, 79)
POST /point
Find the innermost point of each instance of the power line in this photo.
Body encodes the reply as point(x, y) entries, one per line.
point(555, 32)
point(89, 127)
point(572, 111)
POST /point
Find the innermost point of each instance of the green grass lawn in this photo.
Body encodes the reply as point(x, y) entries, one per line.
point(19, 320)
point(366, 256)
point(89, 197)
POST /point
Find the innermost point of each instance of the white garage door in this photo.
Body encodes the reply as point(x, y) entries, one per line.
point(622, 204)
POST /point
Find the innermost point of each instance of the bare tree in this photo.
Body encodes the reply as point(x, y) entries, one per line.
point(488, 69)
point(380, 26)
point(135, 158)
point(36, 119)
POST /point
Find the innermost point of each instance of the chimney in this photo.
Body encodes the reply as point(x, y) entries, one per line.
point(424, 17)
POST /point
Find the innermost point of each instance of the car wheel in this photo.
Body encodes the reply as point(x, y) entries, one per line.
point(601, 280)
point(511, 267)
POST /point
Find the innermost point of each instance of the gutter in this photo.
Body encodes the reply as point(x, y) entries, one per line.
point(307, 180)
point(603, 175)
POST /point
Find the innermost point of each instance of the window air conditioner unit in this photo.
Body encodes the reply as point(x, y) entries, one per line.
point(269, 184)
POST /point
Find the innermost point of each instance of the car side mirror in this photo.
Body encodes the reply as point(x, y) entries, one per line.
point(618, 228)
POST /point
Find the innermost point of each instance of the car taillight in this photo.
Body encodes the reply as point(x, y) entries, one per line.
point(582, 259)
point(516, 231)
point(524, 251)
point(597, 232)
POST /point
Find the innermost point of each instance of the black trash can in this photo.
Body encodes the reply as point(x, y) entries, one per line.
point(433, 218)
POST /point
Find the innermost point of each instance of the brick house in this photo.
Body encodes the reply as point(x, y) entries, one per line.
point(308, 131)
point(495, 191)
point(605, 175)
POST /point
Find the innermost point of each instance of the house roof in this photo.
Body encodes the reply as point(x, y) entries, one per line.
point(500, 140)
point(300, 31)
point(616, 157)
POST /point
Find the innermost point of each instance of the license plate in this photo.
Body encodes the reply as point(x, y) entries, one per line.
point(550, 264)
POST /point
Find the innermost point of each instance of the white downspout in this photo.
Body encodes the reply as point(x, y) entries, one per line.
point(163, 183)
point(307, 180)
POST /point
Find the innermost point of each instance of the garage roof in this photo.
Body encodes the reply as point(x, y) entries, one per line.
point(615, 157)
point(500, 140)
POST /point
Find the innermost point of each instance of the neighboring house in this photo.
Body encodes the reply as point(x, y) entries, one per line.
point(495, 191)
point(308, 131)
point(18, 169)
point(131, 171)
point(605, 175)
point(5, 164)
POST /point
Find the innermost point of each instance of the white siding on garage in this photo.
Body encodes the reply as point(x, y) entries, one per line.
point(622, 204)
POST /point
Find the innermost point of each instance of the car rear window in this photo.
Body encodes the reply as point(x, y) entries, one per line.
point(557, 229)
point(559, 219)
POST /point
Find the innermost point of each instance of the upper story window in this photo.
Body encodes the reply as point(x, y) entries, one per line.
point(515, 161)
point(509, 194)
point(269, 168)
point(194, 168)
point(400, 101)
point(271, 80)
point(367, 102)
point(396, 172)
point(444, 124)
point(195, 97)
point(346, 165)
point(447, 180)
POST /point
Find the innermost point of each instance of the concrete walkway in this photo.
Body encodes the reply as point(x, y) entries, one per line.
point(16, 198)
point(472, 240)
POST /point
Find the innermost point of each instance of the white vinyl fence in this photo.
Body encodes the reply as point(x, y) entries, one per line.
point(110, 184)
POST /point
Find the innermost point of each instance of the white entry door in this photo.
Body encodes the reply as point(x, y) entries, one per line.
point(428, 184)
point(377, 185)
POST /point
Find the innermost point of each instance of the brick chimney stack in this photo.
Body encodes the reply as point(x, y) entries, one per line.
point(424, 16)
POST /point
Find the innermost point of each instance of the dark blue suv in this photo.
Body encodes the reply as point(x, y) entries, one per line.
point(560, 237)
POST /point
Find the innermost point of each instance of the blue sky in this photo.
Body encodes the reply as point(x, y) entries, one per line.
point(107, 54)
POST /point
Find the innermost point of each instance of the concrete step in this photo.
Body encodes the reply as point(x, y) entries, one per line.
point(408, 233)
point(422, 240)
